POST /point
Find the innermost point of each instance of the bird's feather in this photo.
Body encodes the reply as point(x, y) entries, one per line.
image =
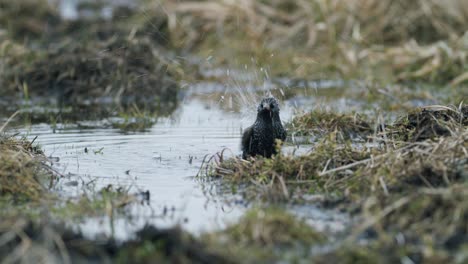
point(246, 140)
point(260, 138)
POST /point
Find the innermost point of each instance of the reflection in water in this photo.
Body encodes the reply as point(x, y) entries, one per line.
point(69, 8)
point(162, 160)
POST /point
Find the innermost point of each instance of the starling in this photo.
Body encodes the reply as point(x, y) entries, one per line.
point(260, 138)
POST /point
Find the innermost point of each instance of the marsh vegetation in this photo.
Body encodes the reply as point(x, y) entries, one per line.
point(374, 94)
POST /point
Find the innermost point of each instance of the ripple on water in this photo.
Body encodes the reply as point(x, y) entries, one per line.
point(162, 160)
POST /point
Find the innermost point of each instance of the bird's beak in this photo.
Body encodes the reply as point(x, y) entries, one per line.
point(268, 109)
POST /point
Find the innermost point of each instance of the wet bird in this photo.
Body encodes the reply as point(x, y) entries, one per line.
point(260, 138)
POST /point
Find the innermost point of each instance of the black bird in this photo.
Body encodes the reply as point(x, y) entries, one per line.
point(260, 138)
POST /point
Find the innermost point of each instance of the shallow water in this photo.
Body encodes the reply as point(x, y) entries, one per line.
point(158, 160)
point(163, 160)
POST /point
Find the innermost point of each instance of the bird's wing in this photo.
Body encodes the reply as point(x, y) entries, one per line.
point(284, 134)
point(280, 132)
point(247, 138)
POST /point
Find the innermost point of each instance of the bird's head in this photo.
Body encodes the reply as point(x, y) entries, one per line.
point(268, 106)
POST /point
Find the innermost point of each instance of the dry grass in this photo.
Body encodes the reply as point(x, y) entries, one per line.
point(429, 122)
point(412, 191)
point(118, 68)
point(327, 22)
point(443, 62)
point(319, 123)
point(427, 164)
point(336, 167)
point(285, 177)
point(27, 18)
point(417, 195)
point(88, 60)
point(21, 170)
point(419, 40)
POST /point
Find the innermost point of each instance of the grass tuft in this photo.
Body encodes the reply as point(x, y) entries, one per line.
point(265, 235)
point(319, 123)
point(21, 170)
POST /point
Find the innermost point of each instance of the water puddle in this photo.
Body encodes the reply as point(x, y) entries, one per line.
point(162, 160)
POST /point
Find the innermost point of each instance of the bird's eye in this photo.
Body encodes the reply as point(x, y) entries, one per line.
point(272, 106)
point(261, 105)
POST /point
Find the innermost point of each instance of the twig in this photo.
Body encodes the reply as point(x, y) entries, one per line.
point(351, 165)
point(348, 166)
point(9, 120)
